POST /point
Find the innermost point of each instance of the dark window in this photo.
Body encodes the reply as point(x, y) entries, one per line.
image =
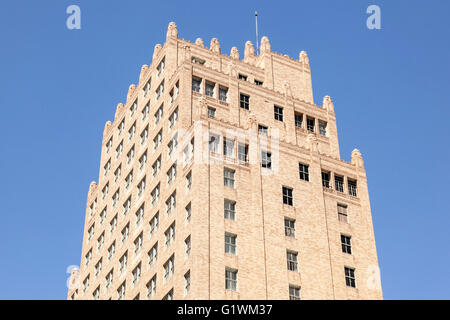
point(266, 160)
point(223, 93)
point(292, 263)
point(243, 152)
point(304, 171)
point(350, 277)
point(342, 213)
point(211, 112)
point(294, 293)
point(326, 179)
point(242, 77)
point(298, 120)
point(209, 89)
point(352, 187)
point(322, 128)
point(289, 227)
point(196, 84)
point(263, 129)
point(310, 123)
point(287, 196)
point(258, 83)
point(245, 101)
point(339, 182)
point(346, 242)
point(278, 113)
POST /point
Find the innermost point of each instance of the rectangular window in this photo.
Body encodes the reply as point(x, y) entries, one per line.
point(228, 148)
point(303, 171)
point(159, 91)
point(292, 261)
point(244, 101)
point(109, 279)
point(121, 126)
point(352, 187)
point(188, 210)
point(243, 153)
point(196, 83)
point(258, 82)
point(171, 173)
point(346, 242)
point(160, 67)
point(326, 179)
point(171, 203)
point(223, 93)
point(169, 295)
point(289, 227)
point(187, 282)
point(133, 108)
point(119, 149)
point(322, 128)
point(141, 186)
point(264, 130)
point(147, 87)
point(310, 124)
point(342, 213)
point(211, 112)
point(121, 291)
point(188, 181)
point(214, 143)
point(350, 280)
point(156, 166)
point(154, 222)
point(187, 246)
point(144, 135)
point(209, 89)
point(153, 255)
point(298, 120)
point(339, 183)
point(136, 274)
point(158, 114)
point(129, 179)
point(111, 250)
point(287, 196)
point(228, 177)
point(155, 194)
point(169, 235)
point(230, 243)
point(230, 279)
point(130, 155)
point(132, 131)
point(125, 232)
point(138, 243)
point(294, 293)
point(143, 160)
point(109, 145)
point(242, 77)
point(123, 262)
point(278, 113)
point(151, 287)
point(169, 268)
point(229, 209)
point(173, 118)
point(266, 160)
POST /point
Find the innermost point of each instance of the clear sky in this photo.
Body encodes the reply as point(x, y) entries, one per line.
point(58, 87)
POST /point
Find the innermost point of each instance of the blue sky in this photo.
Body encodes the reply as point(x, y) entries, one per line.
point(58, 87)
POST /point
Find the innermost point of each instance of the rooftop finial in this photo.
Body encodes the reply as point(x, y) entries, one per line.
point(214, 45)
point(172, 31)
point(265, 44)
point(234, 53)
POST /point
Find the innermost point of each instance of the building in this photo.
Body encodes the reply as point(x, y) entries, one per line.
point(221, 179)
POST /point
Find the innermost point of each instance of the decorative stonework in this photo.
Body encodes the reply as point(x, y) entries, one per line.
point(156, 50)
point(144, 69)
point(187, 53)
point(287, 89)
point(234, 53)
point(265, 45)
point(249, 53)
point(328, 104)
point(303, 58)
point(119, 109)
point(199, 42)
point(357, 159)
point(313, 144)
point(232, 70)
point(214, 45)
point(172, 31)
point(107, 128)
point(131, 91)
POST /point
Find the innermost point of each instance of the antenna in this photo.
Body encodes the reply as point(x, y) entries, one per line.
point(256, 20)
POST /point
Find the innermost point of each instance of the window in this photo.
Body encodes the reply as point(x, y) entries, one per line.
point(188, 210)
point(228, 177)
point(188, 152)
point(169, 268)
point(346, 244)
point(156, 166)
point(129, 179)
point(289, 227)
point(119, 149)
point(187, 246)
point(117, 173)
point(160, 67)
point(121, 126)
point(187, 282)
point(105, 191)
point(278, 113)
point(133, 108)
point(141, 186)
point(294, 293)
point(130, 155)
point(109, 145)
point(326, 179)
point(214, 143)
point(243, 153)
point(127, 206)
point(103, 216)
point(228, 148)
point(342, 213)
point(159, 91)
point(322, 128)
point(132, 131)
point(154, 224)
point(158, 114)
point(169, 235)
point(298, 120)
point(147, 87)
point(121, 291)
point(157, 140)
point(209, 89)
point(350, 280)
point(107, 167)
point(125, 232)
point(109, 279)
point(88, 258)
point(144, 135)
point(310, 124)
point(242, 77)
point(223, 93)
point(244, 101)
point(339, 183)
point(169, 295)
point(292, 263)
point(90, 232)
point(173, 118)
point(303, 171)
point(153, 255)
point(136, 274)
point(352, 187)
point(151, 287)
point(111, 251)
point(93, 208)
point(123, 262)
point(100, 241)
point(86, 284)
point(143, 160)
point(229, 209)
point(171, 146)
point(211, 112)
point(230, 243)
point(196, 83)
point(230, 279)
point(171, 203)
point(189, 181)
point(266, 160)
point(264, 130)
point(258, 82)
point(287, 196)
point(113, 224)
point(138, 243)
point(198, 60)
point(171, 173)
point(155, 194)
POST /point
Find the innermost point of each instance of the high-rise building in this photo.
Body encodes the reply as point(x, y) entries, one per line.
point(221, 179)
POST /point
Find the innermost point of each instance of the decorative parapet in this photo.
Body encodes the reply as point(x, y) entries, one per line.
point(156, 51)
point(144, 69)
point(214, 46)
point(249, 53)
point(92, 188)
point(107, 129)
point(328, 104)
point(199, 42)
point(172, 31)
point(265, 45)
point(119, 109)
point(234, 53)
point(131, 90)
point(357, 159)
point(303, 59)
